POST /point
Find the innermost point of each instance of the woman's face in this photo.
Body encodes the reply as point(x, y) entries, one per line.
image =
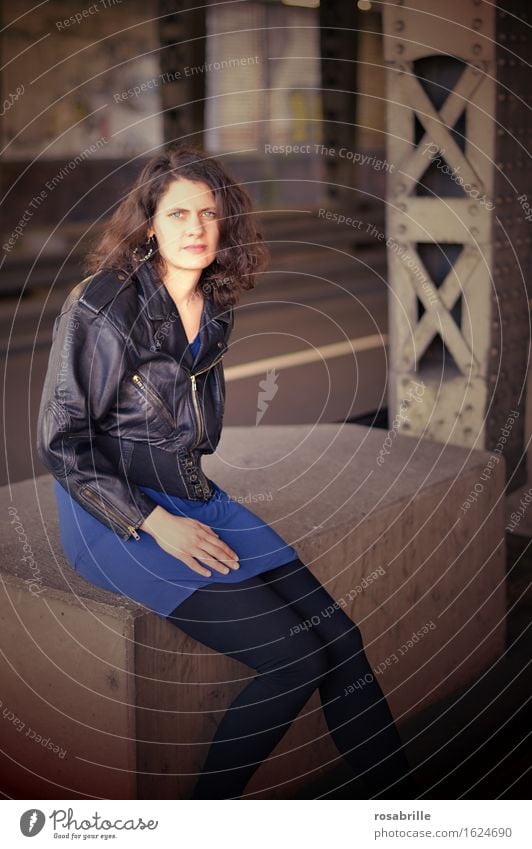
point(185, 225)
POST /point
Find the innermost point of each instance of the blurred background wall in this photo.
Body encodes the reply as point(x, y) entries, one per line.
point(102, 91)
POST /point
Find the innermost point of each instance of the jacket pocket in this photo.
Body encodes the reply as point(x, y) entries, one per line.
point(219, 383)
point(144, 387)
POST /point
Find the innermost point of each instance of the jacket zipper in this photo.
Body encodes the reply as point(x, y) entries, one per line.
point(106, 507)
point(199, 417)
point(144, 387)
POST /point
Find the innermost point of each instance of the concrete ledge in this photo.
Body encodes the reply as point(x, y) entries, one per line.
point(103, 699)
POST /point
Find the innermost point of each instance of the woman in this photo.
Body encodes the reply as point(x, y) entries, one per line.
point(134, 395)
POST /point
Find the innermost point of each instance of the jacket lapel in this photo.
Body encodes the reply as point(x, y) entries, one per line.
point(170, 334)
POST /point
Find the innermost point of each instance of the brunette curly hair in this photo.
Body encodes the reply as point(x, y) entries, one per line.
point(241, 250)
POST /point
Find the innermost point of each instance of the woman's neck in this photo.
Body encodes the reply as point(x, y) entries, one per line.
point(182, 287)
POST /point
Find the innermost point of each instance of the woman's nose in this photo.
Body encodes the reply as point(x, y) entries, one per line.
point(194, 225)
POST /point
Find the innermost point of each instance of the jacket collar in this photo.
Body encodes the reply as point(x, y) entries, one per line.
point(160, 306)
point(159, 303)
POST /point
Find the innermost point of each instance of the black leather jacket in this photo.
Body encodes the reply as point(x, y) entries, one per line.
point(123, 402)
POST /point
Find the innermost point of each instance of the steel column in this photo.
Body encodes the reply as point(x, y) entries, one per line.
point(458, 242)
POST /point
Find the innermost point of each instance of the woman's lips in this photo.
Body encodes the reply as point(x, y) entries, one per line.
point(195, 249)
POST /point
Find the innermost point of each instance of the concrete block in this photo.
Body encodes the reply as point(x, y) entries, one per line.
point(102, 698)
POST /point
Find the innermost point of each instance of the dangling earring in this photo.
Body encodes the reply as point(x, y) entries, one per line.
point(149, 246)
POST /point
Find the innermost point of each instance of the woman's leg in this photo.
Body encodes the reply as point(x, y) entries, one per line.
point(354, 705)
point(251, 623)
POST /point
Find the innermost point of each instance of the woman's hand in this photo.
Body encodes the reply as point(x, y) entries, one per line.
point(188, 539)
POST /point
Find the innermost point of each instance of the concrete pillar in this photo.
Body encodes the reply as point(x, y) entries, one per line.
point(338, 41)
point(182, 58)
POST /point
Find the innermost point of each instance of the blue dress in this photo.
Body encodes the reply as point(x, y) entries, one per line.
point(141, 570)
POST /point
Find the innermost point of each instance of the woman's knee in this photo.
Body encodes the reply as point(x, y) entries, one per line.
point(347, 643)
point(303, 660)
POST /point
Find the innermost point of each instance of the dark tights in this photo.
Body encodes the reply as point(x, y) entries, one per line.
point(259, 623)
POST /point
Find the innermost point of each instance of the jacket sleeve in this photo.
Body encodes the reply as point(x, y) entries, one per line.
point(87, 361)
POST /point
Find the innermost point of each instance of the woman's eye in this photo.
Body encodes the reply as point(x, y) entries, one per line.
point(178, 213)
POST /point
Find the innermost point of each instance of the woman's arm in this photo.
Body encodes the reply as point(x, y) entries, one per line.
point(86, 364)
